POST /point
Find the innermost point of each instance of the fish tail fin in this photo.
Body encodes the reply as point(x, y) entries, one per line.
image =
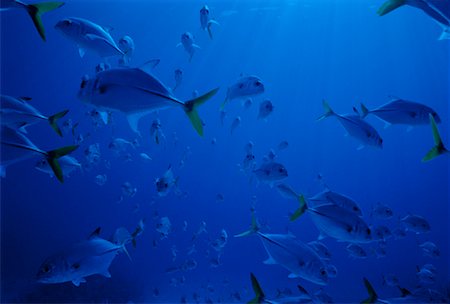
point(328, 110)
point(121, 238)
point(190, 107)
point(253, 229)
point(364, 110)
point(301, 209)
point(36, 10)
point(389, 6)
point(52, 159)
point(373, 297)
point(53, 121)
point(259, 293)
point(439, 147)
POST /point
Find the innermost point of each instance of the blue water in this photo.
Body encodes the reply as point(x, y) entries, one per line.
point(304, 51)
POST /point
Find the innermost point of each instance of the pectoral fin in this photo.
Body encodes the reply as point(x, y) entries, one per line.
point(78, 281)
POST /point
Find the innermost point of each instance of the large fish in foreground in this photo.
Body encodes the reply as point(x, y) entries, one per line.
point(136, 93)
point(437, 9)
point(356, 127)
point(16, 147)
point(285, 250)
point(35, 11)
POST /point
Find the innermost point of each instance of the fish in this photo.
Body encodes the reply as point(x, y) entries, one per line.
point(265, 109)
point(356, 251)
point(330, 197)
point(101, 179)
point(283, 145)
point(416, 223)
point(136, 93)
point(321, 250)
point(437, 10)
point(18, 114)
point(35, 10)
point(438, 148)
point(156, 131)
point(407, 296)
point(126, 45)
point(381, 232)
point(187, 41)
point(336, 222)
point(178, 75)
point(245, 86)
point(128, 189)
point(270, 172)
point(430, 249)
point(68, 165)
point(236, 123)
point(248, 103)
point(292, 254)
point(382, 212)
point(120, 145)
point(84, 259)
point(400, 111)
point(164, 227)
point(356, 127)
point(89, 36)
point(166, 182)
point(206, 21)
point(16, 147)
point(391, 280)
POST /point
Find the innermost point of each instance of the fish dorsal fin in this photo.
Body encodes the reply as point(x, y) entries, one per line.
point(95, 233)
point(108, 28)
point(270, 261)
point(81, 51)
point(149, 65)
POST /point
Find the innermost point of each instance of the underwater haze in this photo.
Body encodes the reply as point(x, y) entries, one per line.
point(183, 186)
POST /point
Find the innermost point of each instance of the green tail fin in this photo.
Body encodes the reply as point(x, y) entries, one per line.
point(373, 297)
point(253, 229)
point(364, 110)
point(389, 6)
point(190, 107)
point(53, 120)
point(328, 111)
point(52, 159)
point(259, 294)
point(36, 10)
point(439, 147)
point(301, 209)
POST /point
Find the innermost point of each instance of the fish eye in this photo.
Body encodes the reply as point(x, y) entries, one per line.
point(323, 272)
point(368, 231)
point(46, 268)
point(258, 83)
point(67, 22)
point(355, 208)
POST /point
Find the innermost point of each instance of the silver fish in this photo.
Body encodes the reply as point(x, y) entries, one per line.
point(136, 93)
point(126, 45)
point(206, 21)
point(187, 41)
point(270, 172)
point(265, 109)
point(245, 86)
point(166, 182)
point(416, 223)
point(330, 197)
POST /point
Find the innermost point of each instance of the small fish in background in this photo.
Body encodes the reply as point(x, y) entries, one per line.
point(200, 230)
point(439, 13)
point(88, 35)
point(381, 212)
point(92, 154)
point(189, 265)
point(248, 163)
point(16, 147)
point(380, 251)
point(173, 252)
point(416, 223)
point(271, 172)
point(101, 179)
point(145, 157)
point(332, 271)
point(67, 163)
point(390, 280)
point(356, 127)
point(126, 44)
point(248, 103)
point(164, 227)
point(244, 87)
point(206, 21)
point(99, 118)
point(400, 232)
point(220, 198)
point(128, 190)
point(270, 156)
point(426, 274)
point(400, 111)
point(236, 123)
point(67, 126)
point(213, 141)
point(178, 75)
point(165, 183)
point(439, 148)
point(84, 259)
point(214, 262)
point(187, 41)
point(356, 251)
point(223, 115)
point(381, 232)
point(18, 114)
point(321, 249)
point(219, 243)
point(102, 66)
point(430, 249)
point(156, 132)
point(265, 109)
point(120, 145)
point(283, 145)
point(35, 10)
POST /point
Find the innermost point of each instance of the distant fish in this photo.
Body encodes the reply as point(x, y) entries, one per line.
point(356, 127)
point(156, 132)
point(206, 21)
point(236, 123)
point(120, 145)
point(244, 87)
point(270, 172)
point(164, 227)
point(381, 232)
point(126, 45)
point(89, 257)
point(166, 182)
point(67, 163)
point(283, 145)
point(438, 10)
point(430, 249)
point(89, 36)
point(16, 147)
point(18, 114)
point(136, 93)
point(187, 41)
point(178, 75)
point(439, 148)
point(381, 212)
point(400, 111)
point(321, 249)
point(356, 251)
point(416, 223)
point(35, 11)
point(265, 109)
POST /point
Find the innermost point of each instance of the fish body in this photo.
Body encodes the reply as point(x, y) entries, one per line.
point(236, 123)
point(331, 197)
point(166, 182)
point(416, 223)
point(126, 45)
point(265, 109)
point(188, 43)
point(271, 172)
point(178, 75)
point(136, 94)
point(245, 86)
point(89, 36)
point(206, 21)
